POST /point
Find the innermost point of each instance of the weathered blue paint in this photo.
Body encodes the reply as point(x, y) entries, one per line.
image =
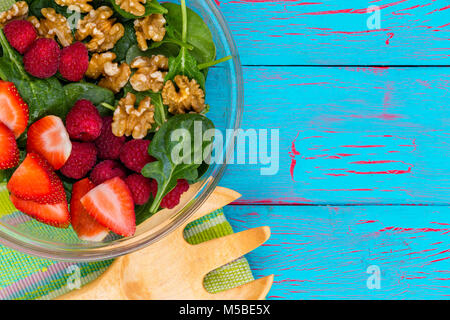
point(362, 135)
point(336, 32)
point(324, 252)
point(348, 136)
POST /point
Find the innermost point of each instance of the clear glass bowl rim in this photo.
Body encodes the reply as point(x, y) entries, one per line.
point(61, 253)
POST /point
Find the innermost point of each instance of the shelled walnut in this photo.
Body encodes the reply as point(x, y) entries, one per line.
point(97, 64)
point(53, 25)
point(81, 4)
point(134, 7)
point(18, 11)
point(116, 77)
point(150, 73)
point(189, 97)
point(128, 120)
point(102, 30)
point(149, 28)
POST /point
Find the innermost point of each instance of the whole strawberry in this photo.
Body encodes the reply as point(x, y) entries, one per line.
point(74, 62)
point(42, 58)
point(20, 34)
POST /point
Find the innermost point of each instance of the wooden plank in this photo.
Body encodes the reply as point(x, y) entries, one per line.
point(291, 32)
point(324, 252)
point(347, 135)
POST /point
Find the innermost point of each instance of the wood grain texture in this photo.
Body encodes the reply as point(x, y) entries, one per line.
point(290, 32)
point(348, 135)
point(173, 269)
point(323, 252)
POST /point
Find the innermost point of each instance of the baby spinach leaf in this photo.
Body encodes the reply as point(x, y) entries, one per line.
point(198, 33)
point(89, 91)
point(142, 212)
point(172, 164)
point(36, 6)
point(43, 96)
point(124, 44)
point(151, 6)
point(172, 36)
point(185, 64)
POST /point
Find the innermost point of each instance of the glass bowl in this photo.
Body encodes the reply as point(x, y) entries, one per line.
point(224, 91)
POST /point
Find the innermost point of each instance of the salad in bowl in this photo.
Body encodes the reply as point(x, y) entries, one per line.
point(91, 93)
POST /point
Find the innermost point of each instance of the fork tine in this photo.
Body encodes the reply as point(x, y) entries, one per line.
point(215, 253)
point(255, 290)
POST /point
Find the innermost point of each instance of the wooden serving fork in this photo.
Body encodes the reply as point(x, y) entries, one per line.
point(174, 269)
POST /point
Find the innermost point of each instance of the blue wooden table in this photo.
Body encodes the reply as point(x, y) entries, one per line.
point(363, 113)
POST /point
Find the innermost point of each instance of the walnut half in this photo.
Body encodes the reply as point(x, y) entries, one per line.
point(102, 30)
point(128, 120)
point(53, 25)
point(189, 97)
point(18, 11)
point(134, 7)
point(97, 64)
point(149, 28)
point(150, 73)
point(115, 76)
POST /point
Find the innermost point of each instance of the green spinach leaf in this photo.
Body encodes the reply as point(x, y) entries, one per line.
point(36, 6)
point(151, 6)
point(123, 45)
point(185, 64)
point(89, 91)
point(172, 162)
point(198, 33)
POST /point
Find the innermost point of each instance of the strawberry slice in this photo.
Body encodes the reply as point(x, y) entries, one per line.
point(84, 225)
point(9, 152)
point(111, 204)
point(56, 215)
point(49, 138)
point(13, 110)
point(35, 180)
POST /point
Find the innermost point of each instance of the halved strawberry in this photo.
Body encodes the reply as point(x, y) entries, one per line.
point(9, 152)
point(35, 180)
point(84, 225)
point(49, 138)
point(56, 215)
point(13, 110)
point(111, 204)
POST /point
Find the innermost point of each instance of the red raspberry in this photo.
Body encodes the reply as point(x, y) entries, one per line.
point(134, 154)
point(107, 143)
point(106, 170)
point(172, 199)
point(83, 122)
point(20, 34)
point(74, 62)
point(42, 58)
point(140, 188)
point(82, 158)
